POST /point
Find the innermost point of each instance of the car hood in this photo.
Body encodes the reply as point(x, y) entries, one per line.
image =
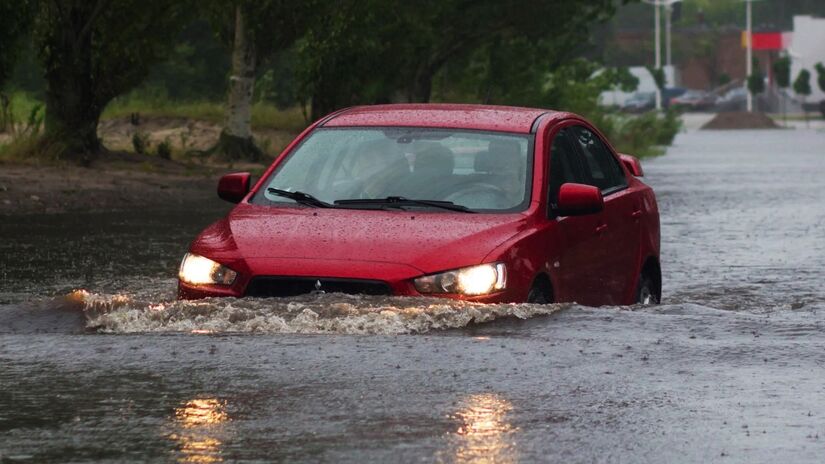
point(428, 241)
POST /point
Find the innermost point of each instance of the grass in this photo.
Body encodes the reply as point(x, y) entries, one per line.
point(22, 105)
point(264, 115)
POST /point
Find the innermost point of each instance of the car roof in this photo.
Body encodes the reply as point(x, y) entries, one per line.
point(438, 115)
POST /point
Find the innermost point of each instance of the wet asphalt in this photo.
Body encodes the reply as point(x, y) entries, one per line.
point(729, 369)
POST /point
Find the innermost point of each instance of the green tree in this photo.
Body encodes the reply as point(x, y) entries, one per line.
point(820, 80)
point(658, 75)
point(756, 81)
point(93, 51)
point(820, 76)
point(782, 74)
point(371, 51)
point(442, 30)
point(802, 86)
point(15, 20)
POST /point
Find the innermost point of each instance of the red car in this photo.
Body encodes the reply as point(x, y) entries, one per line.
point(480, 203)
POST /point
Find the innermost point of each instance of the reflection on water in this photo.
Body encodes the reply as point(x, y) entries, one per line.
point(484, 434)
point(200, 422)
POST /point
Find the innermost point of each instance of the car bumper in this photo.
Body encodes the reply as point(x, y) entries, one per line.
point(196, 292)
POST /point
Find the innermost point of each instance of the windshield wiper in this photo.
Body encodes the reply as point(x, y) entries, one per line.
point(401, 201)
point(300, 197)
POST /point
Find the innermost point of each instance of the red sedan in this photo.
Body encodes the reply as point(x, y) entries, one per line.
point(481, 203)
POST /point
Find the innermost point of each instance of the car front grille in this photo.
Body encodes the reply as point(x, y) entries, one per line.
point(277, 286)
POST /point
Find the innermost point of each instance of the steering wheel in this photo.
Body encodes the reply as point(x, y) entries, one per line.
point(481, 194)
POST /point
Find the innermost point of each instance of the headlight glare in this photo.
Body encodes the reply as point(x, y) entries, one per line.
point(474, 280)
point(197, 270)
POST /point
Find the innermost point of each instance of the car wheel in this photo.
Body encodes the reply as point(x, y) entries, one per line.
point(647, 293)
point(540, 293)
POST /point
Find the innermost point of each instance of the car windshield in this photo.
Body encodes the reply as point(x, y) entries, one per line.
point(482, 171)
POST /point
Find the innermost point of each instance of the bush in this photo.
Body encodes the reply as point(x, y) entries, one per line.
point(165, 150)
point(641, 136)
point(140, 142)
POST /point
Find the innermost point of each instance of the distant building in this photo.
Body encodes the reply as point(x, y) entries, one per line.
point(807, 48)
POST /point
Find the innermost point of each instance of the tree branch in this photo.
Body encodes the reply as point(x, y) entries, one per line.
point(98, 8)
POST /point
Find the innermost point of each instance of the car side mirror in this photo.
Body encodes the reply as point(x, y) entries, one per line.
point(632, 164)
point(579, 200)
point(234, 187)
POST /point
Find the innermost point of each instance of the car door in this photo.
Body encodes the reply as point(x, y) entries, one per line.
point(619, 227)
point(574, 248)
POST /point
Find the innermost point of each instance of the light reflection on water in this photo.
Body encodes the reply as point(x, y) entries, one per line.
point(200, 423)
point(484, 433)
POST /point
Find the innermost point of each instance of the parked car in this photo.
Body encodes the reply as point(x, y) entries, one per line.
point(669, 93)
point(481, 203)
point(733, 100)
point(694, 100)
point(640, 102)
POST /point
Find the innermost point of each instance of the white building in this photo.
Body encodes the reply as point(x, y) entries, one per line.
point(807, 48)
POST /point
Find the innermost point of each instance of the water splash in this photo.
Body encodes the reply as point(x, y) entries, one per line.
point(309, 314)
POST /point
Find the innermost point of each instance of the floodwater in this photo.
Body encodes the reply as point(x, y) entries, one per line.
point(99, 363)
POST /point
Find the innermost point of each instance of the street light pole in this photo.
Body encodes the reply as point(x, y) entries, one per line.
point(657, 20)
point(658, 40)
point(749, 55)
point(668, 20)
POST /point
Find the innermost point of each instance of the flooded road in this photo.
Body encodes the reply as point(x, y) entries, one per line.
point(729, 369)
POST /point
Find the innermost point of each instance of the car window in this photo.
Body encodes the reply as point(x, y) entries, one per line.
point(484, 171)
point(604, 169)
point(564, 165)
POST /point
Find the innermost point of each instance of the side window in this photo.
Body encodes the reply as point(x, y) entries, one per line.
point(605, 172)
point(564, 166)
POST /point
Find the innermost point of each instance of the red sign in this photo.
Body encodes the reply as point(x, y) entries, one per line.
point(765, 40)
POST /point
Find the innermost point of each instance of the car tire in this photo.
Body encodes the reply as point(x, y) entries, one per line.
point(647, 292)
point(540, 293)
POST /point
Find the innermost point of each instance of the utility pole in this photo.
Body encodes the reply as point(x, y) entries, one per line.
point(668, 25)
point(658, 40)
point(749, 54)
point(657, 21)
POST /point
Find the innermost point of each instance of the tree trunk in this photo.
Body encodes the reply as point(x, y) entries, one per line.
point(73, 103)
point(325, 98)
point(422, 85)
point(236, 139)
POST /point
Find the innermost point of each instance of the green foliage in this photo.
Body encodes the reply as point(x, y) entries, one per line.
point(140, 142)
point(370, 51)
point(723, 79)
point(820, 76)
point(756, 81)
point(195, 68)
point(264, 115)
point(93, 51)
point(15, 20)
point(802, 84)
point(575, 87)
point(658, 75)
point(164, 150)
point(782, 72)
point(643, 135)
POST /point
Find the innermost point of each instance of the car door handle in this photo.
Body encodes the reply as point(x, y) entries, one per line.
point(601, 229)
point(636, 214)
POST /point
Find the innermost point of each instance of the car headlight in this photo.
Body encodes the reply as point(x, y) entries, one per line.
point(197, 270)
point(473, 280)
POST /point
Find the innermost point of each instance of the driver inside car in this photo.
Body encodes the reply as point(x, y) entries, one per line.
point(378, 166)
point(503, 165)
